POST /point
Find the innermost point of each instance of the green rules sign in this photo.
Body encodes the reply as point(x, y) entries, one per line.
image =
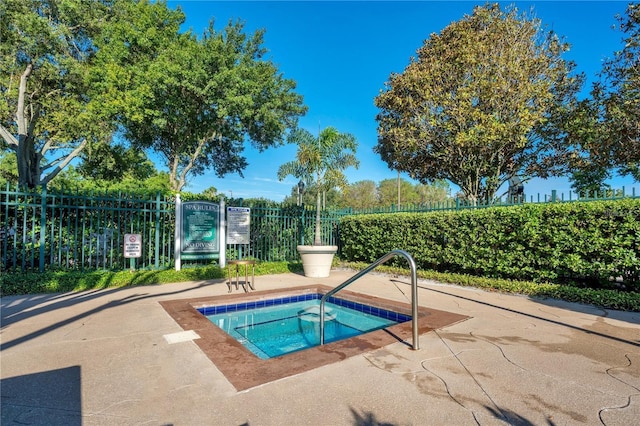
point(199, 230)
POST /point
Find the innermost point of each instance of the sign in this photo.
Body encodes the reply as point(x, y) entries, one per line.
point(238, 225)
point(199, 230)
point(132, 245)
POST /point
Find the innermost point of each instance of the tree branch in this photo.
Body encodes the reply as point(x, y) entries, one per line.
point(8, 137)
point(63, 163)
point(20, 118)
point(192, 158)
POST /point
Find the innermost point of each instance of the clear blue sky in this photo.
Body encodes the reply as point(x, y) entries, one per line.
point(341, 54)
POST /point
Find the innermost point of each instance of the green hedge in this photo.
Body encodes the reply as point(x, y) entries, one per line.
point(593, 244)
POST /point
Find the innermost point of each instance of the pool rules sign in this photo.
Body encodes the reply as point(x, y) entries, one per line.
point(199, 231)
point(238, 225)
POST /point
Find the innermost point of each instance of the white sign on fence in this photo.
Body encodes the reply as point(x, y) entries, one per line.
point(132, 245)
point(238, 225)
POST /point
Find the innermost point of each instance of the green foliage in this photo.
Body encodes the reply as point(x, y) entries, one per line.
point(610, 116)
point(604, 298)
point(595, 244)
point(360, 195)
point(71, 181)
point(320, 162)
point(114, 162)
point(55, 282)
point(209, 95)
point(8, 169)
point(483, 100)
point(589, 178)
point(65, 80)
point(46, 108)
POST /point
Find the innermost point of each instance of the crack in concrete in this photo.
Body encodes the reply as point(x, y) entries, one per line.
point(629, 397)
point(448, 391)
point(608, 371)
point(497, 408)
point(499, 349)
point(544, 311)
point(621, 367)
point(614, 408)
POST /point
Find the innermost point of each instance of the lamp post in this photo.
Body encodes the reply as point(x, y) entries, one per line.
point(300, 191)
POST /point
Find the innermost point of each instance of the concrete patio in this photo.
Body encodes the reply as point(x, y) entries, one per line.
point(106, 357)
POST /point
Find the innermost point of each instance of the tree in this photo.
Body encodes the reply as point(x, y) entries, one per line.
point(388, 192)
point(113, 162)
point(482, 102)
point(45, 49)
point(360, 195)
point(612, 113)
point(435, 193)
point(209, 95)
point(62, 88)
point(320, 161)
point(8, 170)
point(210, 192)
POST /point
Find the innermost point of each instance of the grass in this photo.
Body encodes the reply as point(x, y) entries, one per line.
point(604, 298)
point(68, 281)
point(65, 281)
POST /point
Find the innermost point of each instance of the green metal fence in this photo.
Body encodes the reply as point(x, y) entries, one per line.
point(276, 231)
point(459, 204)
point(50, 231)
point(46, 231)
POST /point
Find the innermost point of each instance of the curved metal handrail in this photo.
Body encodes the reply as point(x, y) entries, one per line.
point(414, 292)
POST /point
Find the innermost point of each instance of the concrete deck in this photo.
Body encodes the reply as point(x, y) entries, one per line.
point(116, 357)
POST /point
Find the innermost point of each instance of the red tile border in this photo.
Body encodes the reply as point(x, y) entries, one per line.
point(245, 370)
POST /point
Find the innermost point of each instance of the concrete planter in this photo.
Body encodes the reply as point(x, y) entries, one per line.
point(316, 260)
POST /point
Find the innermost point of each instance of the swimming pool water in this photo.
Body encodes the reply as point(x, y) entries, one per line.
point(277, 327)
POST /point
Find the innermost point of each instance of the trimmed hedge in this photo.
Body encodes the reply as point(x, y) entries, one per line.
point(593, 244)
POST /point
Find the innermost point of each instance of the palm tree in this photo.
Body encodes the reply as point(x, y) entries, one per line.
point(320, 163)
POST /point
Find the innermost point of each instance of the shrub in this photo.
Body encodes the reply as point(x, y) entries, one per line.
point(594, 244)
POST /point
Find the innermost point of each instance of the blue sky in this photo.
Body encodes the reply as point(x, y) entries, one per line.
point(341, 54)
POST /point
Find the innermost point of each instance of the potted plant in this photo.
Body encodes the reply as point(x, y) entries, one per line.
point(320, 163)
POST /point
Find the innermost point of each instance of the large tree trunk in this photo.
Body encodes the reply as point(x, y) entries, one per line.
point(26, 157)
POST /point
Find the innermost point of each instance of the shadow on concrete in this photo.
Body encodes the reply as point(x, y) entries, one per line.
point(510, 417)
point(47, 398)
point(367, 419)
point(18, 308)
point(560, 304)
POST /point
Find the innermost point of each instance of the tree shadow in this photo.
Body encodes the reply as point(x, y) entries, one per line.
point(18, 308)
point(512, 418)
point(628, 316)
point(367, 419)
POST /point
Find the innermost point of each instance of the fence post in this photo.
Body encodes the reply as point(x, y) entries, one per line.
point(43, 227)
point(157, 238)
point(178, 243)
point(302, 225)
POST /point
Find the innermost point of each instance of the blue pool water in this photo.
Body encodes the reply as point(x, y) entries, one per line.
point(275, 327)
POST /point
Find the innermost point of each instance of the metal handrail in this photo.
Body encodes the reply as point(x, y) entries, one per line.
point(414, 292)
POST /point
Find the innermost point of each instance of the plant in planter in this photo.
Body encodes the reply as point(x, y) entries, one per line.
point(320, 163)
